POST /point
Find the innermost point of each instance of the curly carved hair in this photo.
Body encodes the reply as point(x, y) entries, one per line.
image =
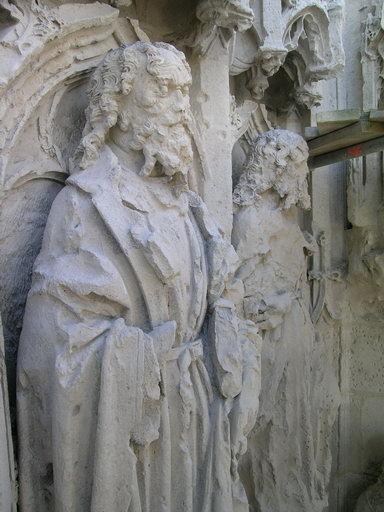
point(272, 164)
point(112, 77)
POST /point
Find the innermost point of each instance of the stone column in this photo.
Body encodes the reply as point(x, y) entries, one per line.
point(211, 106)
point(211, 103)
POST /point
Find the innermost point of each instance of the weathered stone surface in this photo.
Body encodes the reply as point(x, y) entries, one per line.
point(160, 369)
point(126, 415)
point(299, 393)
point(372, 500)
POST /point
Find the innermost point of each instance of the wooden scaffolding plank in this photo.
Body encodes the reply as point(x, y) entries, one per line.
point(377, 115)
point(330, 121)
point(356, 133)
point(348, 153)
point(311, 132)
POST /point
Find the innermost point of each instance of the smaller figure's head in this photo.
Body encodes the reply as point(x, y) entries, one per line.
point(142, 89)
point(277, 161)
point(271, 60)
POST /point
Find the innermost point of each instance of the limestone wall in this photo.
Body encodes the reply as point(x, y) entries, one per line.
point(349, 198)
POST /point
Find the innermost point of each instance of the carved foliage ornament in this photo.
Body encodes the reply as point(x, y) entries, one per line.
point(308, 30)
point(232, 14)
point(31, 19)
point(219, 18)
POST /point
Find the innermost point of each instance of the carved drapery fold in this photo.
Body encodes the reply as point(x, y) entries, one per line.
point(48, 54)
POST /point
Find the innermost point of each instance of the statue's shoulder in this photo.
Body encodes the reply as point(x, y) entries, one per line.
point(101, 175)
point(73, 206)
point(65, 214)
point(63, 204)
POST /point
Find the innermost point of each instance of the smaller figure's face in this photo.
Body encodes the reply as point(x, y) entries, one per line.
point(288, 172)
point(302, 171)
point(300, 157)
point(299, 172)
point(271, 62)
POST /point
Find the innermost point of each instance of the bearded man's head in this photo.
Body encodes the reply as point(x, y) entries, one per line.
point(277, 160)
point(142, 90)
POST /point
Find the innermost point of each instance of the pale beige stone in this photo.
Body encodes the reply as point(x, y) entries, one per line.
point(126, 415)
point(254, 66)
point(299, 394)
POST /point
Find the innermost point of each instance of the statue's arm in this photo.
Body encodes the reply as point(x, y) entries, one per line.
point(233, 340)
point(80, 281)
point(221, 256)
point(275, 291)
point(267, 296)
point(80, 306)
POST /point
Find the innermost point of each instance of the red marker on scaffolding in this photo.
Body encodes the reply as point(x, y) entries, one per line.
point(355, 151)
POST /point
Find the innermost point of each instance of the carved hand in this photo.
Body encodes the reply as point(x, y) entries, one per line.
point(246, 405)
point(269, 312)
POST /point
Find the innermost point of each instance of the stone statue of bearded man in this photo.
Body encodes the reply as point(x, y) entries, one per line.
point(290, 452)
point(137, 382)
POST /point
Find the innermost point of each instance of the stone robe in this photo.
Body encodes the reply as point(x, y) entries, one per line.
point(113, 393)
point(289, 454)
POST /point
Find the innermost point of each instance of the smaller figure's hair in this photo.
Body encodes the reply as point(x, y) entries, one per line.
point(112, 77)
point(270, 164)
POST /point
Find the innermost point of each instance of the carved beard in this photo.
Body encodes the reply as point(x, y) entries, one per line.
point(292, 191)
point(162, 138)
point(298, 198)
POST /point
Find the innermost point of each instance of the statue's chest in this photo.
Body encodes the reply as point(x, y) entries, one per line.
point(165, 231)
point(171, 243)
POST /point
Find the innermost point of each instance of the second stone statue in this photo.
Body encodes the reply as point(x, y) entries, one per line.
point(289, 456)
point(137, 382)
